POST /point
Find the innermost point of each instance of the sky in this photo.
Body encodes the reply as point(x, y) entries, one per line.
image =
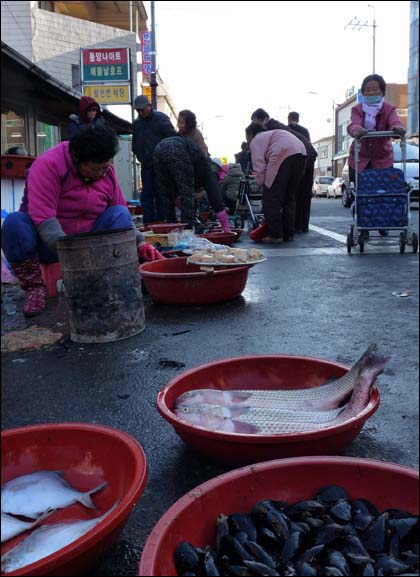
point(222, 60)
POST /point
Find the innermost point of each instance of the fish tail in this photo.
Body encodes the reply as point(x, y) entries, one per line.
point(244, 428)
point(85, 498)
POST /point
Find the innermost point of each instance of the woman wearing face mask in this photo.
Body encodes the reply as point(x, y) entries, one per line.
point(72, 188)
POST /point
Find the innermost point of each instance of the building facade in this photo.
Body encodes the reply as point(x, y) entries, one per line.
point(413, 73)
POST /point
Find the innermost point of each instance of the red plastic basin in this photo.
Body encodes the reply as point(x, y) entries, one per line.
point(193, 517)
point(220, 237)
point(265, 372)
point(167, 227)
point(173, 281)
point(87, 455)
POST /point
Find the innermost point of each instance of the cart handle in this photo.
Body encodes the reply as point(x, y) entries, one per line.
point(382, 134)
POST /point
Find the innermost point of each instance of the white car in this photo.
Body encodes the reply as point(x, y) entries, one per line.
point(334, 189)
point(321, 184)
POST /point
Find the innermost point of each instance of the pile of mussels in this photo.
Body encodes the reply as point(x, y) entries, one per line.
point(327, 535)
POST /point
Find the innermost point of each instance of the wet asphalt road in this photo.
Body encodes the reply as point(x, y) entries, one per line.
point(308, 298)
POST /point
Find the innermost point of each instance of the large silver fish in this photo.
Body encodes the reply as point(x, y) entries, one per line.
point(32, 495)
point(277, 419)
point(47, 540)
point(10, 526)
point(327, 396)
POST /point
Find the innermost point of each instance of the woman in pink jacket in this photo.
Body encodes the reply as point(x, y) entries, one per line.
point(72, 188)
point(279, 160)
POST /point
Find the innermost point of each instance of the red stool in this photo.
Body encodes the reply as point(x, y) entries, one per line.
point(51, 273)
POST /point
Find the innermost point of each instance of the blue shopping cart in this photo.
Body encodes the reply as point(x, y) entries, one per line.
point(382, 201)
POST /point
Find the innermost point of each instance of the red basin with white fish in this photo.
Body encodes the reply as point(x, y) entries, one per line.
point(270, 372)
point(193, 517)
point(87, 455)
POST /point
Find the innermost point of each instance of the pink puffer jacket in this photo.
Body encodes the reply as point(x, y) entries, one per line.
point(54, 189)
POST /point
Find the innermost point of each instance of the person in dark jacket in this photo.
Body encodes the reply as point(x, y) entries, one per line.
point(182, 170)
point(230, 186)
point(148, 130)
point(244, 158)
point(90, 111)
point(304, 193)
point(293, 123)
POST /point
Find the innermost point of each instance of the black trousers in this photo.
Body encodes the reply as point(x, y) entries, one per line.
point(279, 201)
point(304, 196)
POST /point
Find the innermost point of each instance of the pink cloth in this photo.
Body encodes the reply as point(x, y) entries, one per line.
point(269, 149)
point(378, 151)
point(54, 189)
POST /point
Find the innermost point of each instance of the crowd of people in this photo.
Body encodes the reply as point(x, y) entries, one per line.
point(72, 188)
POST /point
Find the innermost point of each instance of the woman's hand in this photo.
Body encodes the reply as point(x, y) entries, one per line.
point(359, 132)
point(148, 253)
point(399, 130)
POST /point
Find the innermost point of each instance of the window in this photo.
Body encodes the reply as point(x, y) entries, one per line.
point(75, 77)
point(47, 136)
point(323, 152)
point(46, 6)
point(13, 130)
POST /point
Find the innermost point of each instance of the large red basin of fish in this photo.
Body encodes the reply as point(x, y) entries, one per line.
point(175, 282)
point(193, 517)
point(270, 372)
point(87, 455)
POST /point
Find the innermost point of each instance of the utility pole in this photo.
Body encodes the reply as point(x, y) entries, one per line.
point(153, 82)
point(356, 24)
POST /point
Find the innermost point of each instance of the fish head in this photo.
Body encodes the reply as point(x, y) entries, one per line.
point(198, 416)
point(198, 396)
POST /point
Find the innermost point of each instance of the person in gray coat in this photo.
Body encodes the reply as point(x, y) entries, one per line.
point(149, 129)
point(230, 185)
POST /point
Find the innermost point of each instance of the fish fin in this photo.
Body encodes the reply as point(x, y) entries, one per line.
point(245, 428)
point(237, 396)
point(235, 411)
point(44, 515)
point(85, 498)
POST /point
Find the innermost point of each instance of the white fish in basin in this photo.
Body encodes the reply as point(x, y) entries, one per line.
point(10, 526)
point(32, 495)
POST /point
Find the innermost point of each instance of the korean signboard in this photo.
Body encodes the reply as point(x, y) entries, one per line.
point(147, 91)
point(105, 65)
point(146, 54)
point(108, 94)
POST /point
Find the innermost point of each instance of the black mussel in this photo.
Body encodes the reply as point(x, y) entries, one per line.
point(361, 521)
point(359, 560)
point(188, 574)
point(186, 558)
point(328, 534)
point(333, 571)
point(222, 528)
point(278, 523)
point(260, 568)
point(237, 571)
point(337, 559)
point(369, 570)
point(241, 537)
point(305, 570)
point(376, 535)
point(260, 554)
point(341, 511)
point(289, 570)
point(305, 508)
point(398, 514)
point(267, 537)
point(296, 526)
point(315, 523)
point(330, 495)
point(390, 566)
point(403, 526)
point(416, 547)
point(291, 547)
point(244, 523)
point(210, 567)
point(353, 545)
point(394, 545)
point(410, 558)
point(234, 550)
point(310, 554)
point(369, 506)
point(260, 509)
point(349, 529)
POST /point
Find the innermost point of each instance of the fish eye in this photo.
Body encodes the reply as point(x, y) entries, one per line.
point(185, 409)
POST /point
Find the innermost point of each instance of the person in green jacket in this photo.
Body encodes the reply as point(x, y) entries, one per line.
point(230, 185)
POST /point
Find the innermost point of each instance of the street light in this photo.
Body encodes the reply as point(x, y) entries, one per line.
point(357, 25)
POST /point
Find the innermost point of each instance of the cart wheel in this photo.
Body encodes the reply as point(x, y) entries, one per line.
point(402, 242)
point(239, 222)
point(361, 244)
point(260, 220)
point(349, 242)
point(414, 242)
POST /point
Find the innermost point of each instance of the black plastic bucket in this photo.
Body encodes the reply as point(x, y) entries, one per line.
point(102, 285)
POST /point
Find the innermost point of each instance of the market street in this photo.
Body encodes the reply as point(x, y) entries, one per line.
point(309, 298)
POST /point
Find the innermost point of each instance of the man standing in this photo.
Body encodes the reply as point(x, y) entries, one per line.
point(293, 123)
point(149, 129)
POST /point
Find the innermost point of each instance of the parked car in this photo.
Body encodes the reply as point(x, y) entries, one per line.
point(411, 173)
point(334, 189)
point(321, 184)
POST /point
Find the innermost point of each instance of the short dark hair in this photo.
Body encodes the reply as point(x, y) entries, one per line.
point(190, 119)
point(253, 129)
point(294, 116)
point(379, 80)
point(94, 143)
point(259, 114)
